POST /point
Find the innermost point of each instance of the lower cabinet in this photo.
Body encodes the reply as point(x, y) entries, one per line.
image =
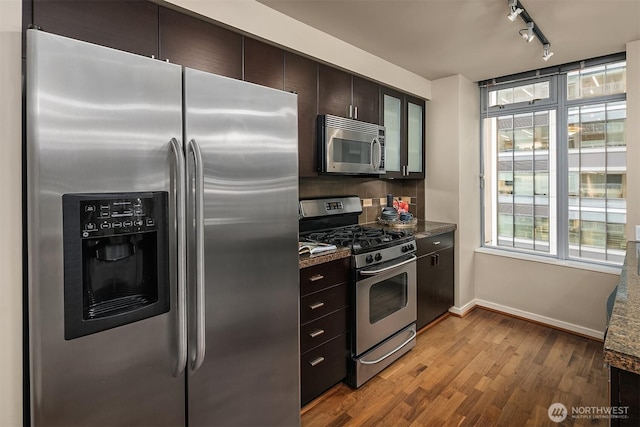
point(435, 267)
point(624, 395)
point(324, 332)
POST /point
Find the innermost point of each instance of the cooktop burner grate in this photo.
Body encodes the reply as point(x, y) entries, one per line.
point(357, 237)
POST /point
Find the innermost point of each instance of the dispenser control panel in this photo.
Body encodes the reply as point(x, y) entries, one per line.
point(119, 215)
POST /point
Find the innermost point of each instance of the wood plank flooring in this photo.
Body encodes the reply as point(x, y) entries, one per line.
point(485, 369)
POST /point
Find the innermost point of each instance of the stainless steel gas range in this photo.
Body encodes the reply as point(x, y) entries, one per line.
point(383, 291)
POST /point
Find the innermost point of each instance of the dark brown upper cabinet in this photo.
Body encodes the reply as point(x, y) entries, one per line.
point(200, 45)
point(263, 64)
point(366, 98)
point(131, 25)
point(403, 117)
point(301, 77)
point(345, 95)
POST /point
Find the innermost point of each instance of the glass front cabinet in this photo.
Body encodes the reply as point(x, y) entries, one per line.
point(404, 119)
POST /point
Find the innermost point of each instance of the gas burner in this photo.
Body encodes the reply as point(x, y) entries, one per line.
point(358, 238)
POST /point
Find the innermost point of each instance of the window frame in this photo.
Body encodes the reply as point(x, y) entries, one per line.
point(559, 102)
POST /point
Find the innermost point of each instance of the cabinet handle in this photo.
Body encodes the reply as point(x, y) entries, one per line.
point(351, 111)
point(316, 278)
point(317, 361)
point(356, 112)
point(434, 260)
point(316, 333)
point(436, 243)
point(316, 305)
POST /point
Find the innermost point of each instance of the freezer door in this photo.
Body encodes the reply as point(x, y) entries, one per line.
point(245, 364)
point(99, 121)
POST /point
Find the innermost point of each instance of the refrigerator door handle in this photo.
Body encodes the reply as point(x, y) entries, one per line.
point(181, 306)
point(198, 357)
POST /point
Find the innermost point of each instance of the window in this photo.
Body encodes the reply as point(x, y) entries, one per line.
point(554, 164)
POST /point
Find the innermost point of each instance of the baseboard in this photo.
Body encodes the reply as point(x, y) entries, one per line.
point(464, 310)
point(536, 318)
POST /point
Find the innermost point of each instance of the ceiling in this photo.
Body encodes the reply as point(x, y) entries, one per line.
point(474, 38)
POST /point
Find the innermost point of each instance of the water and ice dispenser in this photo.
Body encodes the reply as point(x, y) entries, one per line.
point(116, 260)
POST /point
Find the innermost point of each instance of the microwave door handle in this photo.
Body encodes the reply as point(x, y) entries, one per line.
point(181, 306)
point(198, 357)
point(376, 164)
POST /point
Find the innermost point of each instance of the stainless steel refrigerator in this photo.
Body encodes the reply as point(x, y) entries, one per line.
point(162, 265)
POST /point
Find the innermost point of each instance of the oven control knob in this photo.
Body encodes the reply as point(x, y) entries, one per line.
point(405, 248)
point(378, 257)
point(369, 259)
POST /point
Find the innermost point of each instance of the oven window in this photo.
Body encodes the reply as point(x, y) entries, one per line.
point(356, 152)
point(387, 297)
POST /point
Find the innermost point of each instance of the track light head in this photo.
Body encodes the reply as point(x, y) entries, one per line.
point(546, 54)
point(515, 10)
point(527, 33)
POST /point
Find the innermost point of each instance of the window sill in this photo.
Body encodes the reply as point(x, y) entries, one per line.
point(547, 260)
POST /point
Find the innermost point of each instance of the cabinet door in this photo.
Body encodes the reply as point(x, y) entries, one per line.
point(366, 100)
point(200, 45)
point(445, 279)
point(334, 91)
point(131, 26)
point(392, 113)
point(301, 77)
point(427, 295)
point(403, 117)
point(263, 64)
point(415, 109)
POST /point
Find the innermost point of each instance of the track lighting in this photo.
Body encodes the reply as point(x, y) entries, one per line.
point(532, 31)
point(527, 33)
point(515, 10)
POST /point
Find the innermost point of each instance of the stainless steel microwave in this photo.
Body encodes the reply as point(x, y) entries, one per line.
point(349, 147)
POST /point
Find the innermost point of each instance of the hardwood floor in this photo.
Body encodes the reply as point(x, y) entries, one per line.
point(485, 369)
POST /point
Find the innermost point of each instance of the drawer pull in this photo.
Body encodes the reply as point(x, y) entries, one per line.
point(316, 305)
point(316, 278)
point(317, 361)
point(316, 333)
point(436, 243)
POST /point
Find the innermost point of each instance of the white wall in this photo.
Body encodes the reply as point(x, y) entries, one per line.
point(453, 169)
point(10, 214)
point(633, 138)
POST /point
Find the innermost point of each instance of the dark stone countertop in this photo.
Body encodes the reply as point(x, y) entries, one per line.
point(421, 230)
point(622, 343)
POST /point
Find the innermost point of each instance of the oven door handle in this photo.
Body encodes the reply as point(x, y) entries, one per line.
point(380, 359)
point(382, 270)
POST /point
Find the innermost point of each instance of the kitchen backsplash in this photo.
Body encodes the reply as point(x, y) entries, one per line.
point(372, 191)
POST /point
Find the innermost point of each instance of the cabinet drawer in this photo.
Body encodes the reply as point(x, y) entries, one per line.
point(434, 243)
point(322, 330)
point(317, 277)
point(321, 303)
point(323, 367)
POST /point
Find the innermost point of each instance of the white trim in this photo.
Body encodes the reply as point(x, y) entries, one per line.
point(548, 321)
point(465, 309)
point(549, 260)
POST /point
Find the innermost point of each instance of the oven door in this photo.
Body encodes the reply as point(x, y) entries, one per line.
point(385, 301)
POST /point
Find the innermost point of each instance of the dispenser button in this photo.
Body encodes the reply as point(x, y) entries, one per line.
point(104, 214)
point(105, 207)
point(90, 208)
point(116, 224)
point(150, 222)
point(138, 223)
point(90, 226)
point(127, 223)
point(104, 225)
